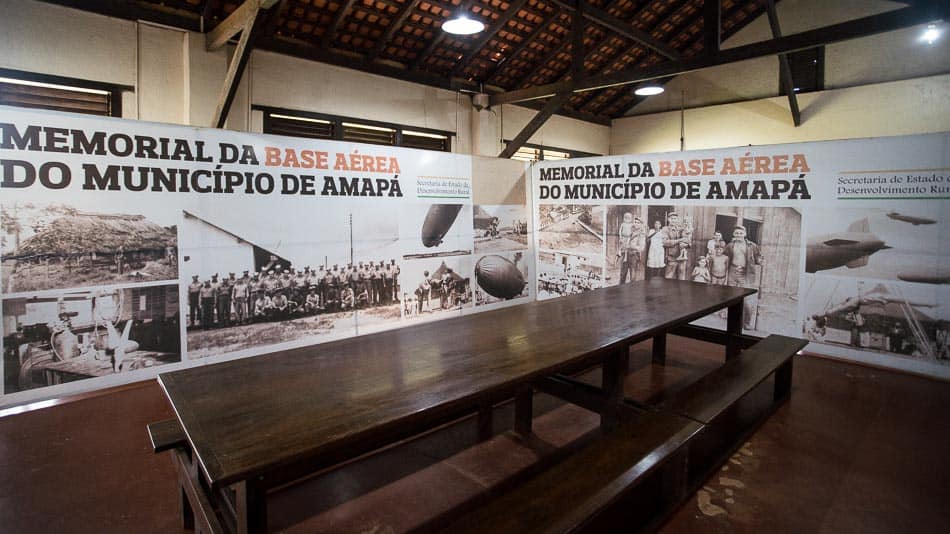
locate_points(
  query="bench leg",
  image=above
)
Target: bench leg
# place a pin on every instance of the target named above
(675, 478)
(524, 409)
(187, 513)
(659, 349)
(614, 371)
(733, 330)
(783, 381)
(251, 501)
(484, 421)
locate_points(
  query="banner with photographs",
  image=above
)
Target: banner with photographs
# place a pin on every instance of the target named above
(846, 242)
(131, 248)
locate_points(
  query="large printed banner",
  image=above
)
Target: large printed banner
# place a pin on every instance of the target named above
(131, 248)
(847, 242)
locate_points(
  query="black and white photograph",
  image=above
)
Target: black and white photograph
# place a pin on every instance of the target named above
(435, 230)
(901, 319)
(251, 284)
(562, 274)
(743, 246)
(500, 228)
(436, 286)
(906, 242)
(80, 244)
(630, 242)
(573, 228)
(69, 336)
(501, 277)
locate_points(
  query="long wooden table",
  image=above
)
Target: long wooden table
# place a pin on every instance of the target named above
(257, 423)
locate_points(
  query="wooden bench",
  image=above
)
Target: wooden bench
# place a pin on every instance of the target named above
(197, 512)
(710, 396)
(624, 477)
(166, 435)
(711, 399)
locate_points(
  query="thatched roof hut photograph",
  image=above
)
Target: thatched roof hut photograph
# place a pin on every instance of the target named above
(72, 248)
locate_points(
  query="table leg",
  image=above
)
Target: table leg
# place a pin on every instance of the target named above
(524, 412)
(251, 501)
(733, 330)
(614, 371)
(659, 349)
(783, 381)
(187, 513)
(484, 421)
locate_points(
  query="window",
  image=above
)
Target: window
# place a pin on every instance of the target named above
(530, 152)
(808, 71)
(320, 126)
(42, 91)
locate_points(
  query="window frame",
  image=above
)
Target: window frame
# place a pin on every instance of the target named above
(337, 122)
(115, 90)
(541, 148)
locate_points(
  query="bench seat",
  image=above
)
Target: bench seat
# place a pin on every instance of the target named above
(166, 435)
(710, 396)
(580, 492)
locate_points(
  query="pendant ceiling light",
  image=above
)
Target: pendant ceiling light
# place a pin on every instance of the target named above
(648, 90)
(462, 25)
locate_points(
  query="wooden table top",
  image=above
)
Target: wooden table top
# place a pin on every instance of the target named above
(246, 417)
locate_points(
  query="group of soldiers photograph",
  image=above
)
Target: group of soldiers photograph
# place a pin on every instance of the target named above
(277, 294)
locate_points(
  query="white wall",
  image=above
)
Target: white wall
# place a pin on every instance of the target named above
(56, 40)
(894, 108)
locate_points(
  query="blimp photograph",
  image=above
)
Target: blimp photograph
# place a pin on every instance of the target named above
(435, 230)
(897, 318)
(501, 277)
(904, 242)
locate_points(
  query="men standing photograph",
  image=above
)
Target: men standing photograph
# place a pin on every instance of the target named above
(743, 256)
(674, 241)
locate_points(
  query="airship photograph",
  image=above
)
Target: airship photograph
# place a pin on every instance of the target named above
(500, 277)
(916, 221)
(894, 318)
(435, 230)
(893, 244)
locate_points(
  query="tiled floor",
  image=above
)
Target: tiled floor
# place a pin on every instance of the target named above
(854, 450)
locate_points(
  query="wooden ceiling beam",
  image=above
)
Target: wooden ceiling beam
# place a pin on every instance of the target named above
(538, 30)
(236, 69)
(341, 14)
(394, 26)
(621, 95)
(427, 51)
(487, 35)
(621, 27)
(138, 10)
(591, 95)
(550, 108)
(236, 21)
(853, 29)
(788, 84)
(307, 50)
(545, 61)
(712, 26)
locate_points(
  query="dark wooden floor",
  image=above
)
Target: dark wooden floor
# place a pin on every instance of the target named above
(855, 450)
